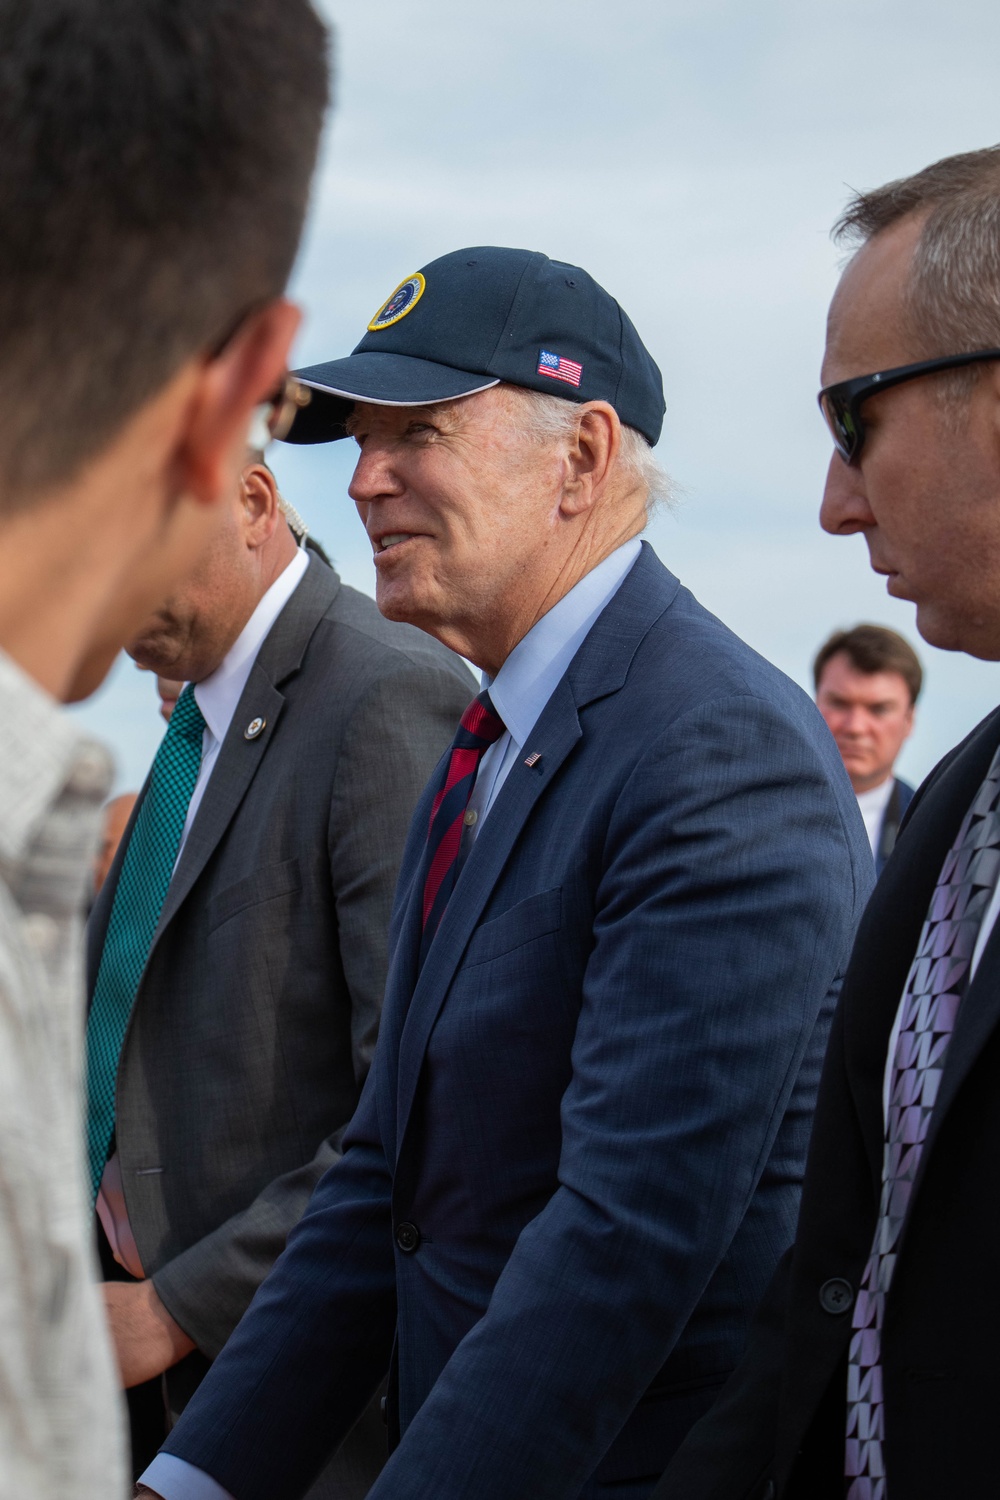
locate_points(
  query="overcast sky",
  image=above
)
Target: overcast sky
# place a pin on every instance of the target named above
(692, 156)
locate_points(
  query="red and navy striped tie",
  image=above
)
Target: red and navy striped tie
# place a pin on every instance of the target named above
(480, 728)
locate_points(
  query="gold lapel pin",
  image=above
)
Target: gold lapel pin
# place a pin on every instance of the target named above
(254, 728)
(533, 759)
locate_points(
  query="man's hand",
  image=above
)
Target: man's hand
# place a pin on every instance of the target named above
(147, 1340)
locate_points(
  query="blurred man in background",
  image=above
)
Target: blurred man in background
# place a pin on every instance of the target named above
(867, 682)
(155, 161)
(316, 724)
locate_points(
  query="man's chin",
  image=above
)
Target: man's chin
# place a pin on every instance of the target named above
(939, 628)
(154, 654)
(406, 608)
(395, 603)
(978, 638)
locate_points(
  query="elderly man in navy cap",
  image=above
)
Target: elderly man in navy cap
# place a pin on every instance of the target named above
(624, 909)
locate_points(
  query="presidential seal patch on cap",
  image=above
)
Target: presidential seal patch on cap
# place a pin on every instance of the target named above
(403, 300)
(494, 315)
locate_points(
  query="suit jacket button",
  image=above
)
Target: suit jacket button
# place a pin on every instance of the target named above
(836, 1295)
(407, 1237)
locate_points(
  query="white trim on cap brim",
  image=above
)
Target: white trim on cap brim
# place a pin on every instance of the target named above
(374, 400)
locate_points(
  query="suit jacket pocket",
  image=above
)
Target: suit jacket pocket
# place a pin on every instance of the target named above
(531, 918)
(264, 884)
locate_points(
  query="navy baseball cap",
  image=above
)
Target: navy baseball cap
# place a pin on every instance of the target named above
(476, 317)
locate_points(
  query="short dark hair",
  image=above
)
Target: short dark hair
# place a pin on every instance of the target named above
(952, 299)
(873, 648)
(155, 161)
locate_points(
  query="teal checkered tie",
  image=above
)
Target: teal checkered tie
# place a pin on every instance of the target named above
(142, 889)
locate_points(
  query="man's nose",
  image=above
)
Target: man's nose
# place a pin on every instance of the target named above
(845, 509)
(373, 475)
(855, 722)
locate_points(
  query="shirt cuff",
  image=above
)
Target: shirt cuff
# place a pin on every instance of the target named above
(174, 1479)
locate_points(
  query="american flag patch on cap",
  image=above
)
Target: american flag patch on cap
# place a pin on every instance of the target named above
(559, 368)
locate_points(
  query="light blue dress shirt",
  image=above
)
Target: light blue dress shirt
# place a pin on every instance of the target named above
(519, 693)
(535, 667)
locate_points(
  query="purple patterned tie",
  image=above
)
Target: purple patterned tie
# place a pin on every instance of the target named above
(934, 987)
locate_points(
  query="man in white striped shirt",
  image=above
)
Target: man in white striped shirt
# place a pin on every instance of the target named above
(137, 342)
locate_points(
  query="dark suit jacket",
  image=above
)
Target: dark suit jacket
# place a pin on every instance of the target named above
(899, 801)
(778, 1429)
(255, 1021)
(578, 1152)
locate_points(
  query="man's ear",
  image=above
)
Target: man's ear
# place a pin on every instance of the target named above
(261, 512)
(591, 458)
(229, 387)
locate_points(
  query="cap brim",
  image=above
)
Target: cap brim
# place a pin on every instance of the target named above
(383, 380)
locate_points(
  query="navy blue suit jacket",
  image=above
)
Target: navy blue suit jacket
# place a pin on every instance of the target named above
(902, 796)
(577, 1157)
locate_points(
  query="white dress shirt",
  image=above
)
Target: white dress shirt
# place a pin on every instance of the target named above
(519, 693)
(873, 805)
(217, 696)
(534, 669)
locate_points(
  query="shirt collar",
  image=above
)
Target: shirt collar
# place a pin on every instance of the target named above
(533, 670)
(877, 798)
(40, 750)
(218, 694)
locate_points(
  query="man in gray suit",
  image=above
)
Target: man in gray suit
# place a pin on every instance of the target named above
(249, 1024)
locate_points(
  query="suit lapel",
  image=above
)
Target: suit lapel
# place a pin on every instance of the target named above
(404, 950)
(977, 1019)
(239, 758)
(557, 732)
(978, 1013)
(887, 941)
(883, 952)
(237, 764)
(600, 667)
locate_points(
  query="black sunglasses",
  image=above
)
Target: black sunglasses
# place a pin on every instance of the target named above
(841, 404)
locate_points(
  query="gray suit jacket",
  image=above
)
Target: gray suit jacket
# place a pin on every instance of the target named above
(255, 1020)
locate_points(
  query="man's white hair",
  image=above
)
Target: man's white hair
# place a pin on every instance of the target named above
(541, 418)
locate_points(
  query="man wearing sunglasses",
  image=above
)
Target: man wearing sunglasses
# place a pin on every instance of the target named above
(154, 171)
(871, 1370)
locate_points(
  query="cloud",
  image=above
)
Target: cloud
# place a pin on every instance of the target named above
(692, 156)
